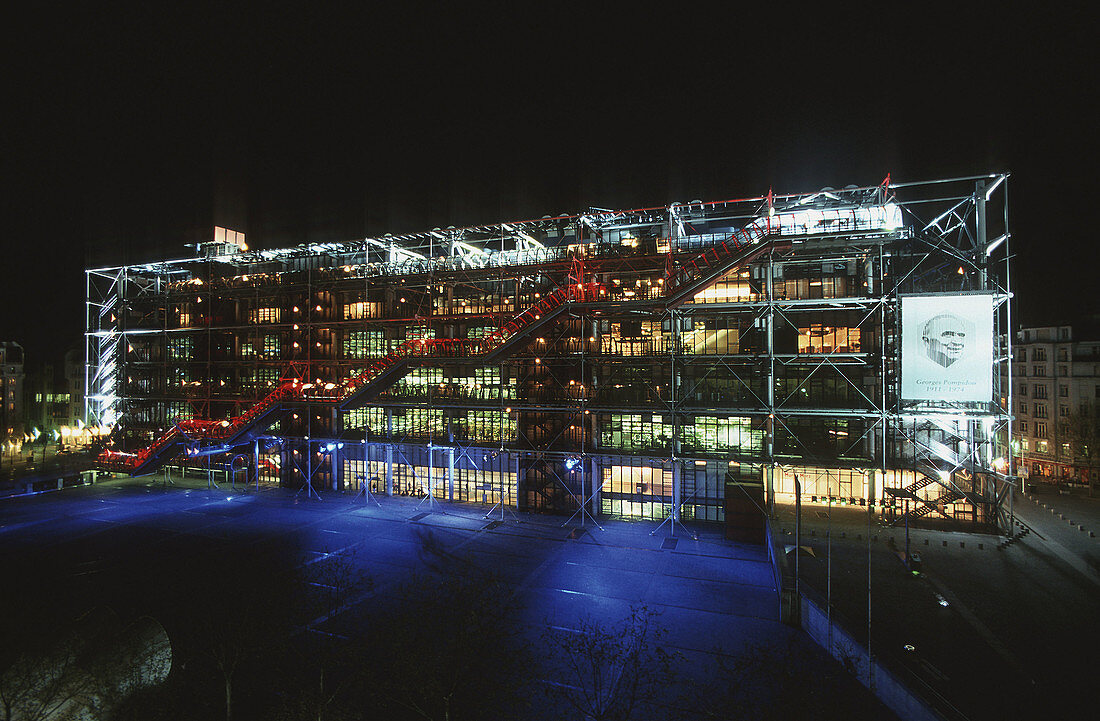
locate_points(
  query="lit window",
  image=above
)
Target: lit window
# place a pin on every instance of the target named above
(818, 338)
(418, 332)
(359, 344)
(264, 315)
(362, 309)
(180, 348)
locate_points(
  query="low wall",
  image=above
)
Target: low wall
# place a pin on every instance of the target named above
(808, 613)
(896, 695)
(43, 482)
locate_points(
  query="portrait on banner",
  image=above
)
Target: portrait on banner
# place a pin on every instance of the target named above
(947, 348)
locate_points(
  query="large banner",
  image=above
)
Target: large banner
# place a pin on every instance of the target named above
(947, 348)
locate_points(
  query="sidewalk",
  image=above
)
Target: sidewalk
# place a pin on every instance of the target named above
(998, 631)
(1070, 514)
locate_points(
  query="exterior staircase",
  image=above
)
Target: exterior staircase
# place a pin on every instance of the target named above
(926, 507)
(196, 436)
(923, 481)
(741, 247)
(933, 459)
(200, 436)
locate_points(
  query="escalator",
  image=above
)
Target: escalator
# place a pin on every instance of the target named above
(203, 437)
(742, 246)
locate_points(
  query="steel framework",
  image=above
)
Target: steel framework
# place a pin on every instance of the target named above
(678, 362)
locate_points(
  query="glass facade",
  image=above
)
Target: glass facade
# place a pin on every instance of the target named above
(638, 362)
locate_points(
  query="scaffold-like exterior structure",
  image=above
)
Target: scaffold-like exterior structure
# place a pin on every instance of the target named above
(671, 363)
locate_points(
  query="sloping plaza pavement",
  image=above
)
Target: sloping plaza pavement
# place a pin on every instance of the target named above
(120, 540)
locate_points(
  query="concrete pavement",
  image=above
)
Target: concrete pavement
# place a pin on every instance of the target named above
(130, 543)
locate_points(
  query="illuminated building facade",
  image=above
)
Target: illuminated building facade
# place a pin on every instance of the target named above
(48, 403)
(1056, 383)
(684, 362)
(12, 377)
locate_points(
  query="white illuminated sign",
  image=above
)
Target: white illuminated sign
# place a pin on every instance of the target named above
(947, 348)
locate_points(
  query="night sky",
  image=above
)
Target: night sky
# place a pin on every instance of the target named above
(126, 136)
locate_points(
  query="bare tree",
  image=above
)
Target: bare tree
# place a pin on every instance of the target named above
(242, 616)
(333, 582)
(612, 671)
(88, 670)
(323, 684)
(445, 645)
(43, 660)
(1082, 431)
(325, 689)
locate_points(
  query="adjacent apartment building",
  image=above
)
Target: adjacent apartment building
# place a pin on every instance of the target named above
(54, 398)
(1056, 392)
(11, 390)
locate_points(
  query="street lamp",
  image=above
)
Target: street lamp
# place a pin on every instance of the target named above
(13, 447)
(56, 437)
(907, 567)
(797, 539)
